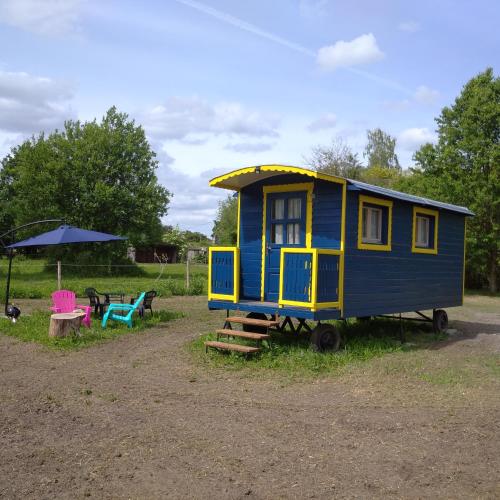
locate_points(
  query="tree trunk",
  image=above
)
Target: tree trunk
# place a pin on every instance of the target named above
(64, 324)
(493, 271)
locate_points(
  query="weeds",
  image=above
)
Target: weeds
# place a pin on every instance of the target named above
(35, 328)
(292, 354)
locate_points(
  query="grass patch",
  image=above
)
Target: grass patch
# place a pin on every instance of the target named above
(31, 280)
(35, 328)
(293, 356)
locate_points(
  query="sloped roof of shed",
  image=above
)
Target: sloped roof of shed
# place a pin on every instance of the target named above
(238, 179)
(390, 193)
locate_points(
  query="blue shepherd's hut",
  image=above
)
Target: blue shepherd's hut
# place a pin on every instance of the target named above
(314, 247)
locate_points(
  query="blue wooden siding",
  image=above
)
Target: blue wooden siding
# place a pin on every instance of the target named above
(327, 215)
(222, 272)
(328, 278)
(326, 225)
(297, 279)
(400, 280)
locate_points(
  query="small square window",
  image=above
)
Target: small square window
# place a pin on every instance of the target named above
(425, 230)
(374, 223)
(423, 225)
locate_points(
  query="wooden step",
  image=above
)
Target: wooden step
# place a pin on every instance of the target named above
(231, 347)
(245, 335)
(254, 322)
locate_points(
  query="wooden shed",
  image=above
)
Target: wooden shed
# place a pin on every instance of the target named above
(316, 247)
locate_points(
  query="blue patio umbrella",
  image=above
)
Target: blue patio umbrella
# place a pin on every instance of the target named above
(65, 234)
(61, 236)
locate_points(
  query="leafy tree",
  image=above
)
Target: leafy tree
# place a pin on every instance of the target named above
(381, 176)
(464, 168)
(184, 240)
(225, 225)
(381, 150)
(336, 159)
(93, 175)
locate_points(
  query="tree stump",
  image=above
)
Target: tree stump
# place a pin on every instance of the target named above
(64, 324)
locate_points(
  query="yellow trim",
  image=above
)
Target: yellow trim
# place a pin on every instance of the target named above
(463, 270)
(236, 274)
(313, 290)
(263, 254)
(284, 188)
(342, 248)
(374, 201)
(424, 211)
(286, 169)
(238, 222)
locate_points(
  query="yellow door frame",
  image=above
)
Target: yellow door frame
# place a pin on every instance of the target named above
(284, 188)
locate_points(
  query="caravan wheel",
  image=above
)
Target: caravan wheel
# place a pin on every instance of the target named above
(440, 320)
(325, 337)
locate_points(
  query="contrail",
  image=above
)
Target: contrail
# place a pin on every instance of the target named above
(243, 25)
(255, 30)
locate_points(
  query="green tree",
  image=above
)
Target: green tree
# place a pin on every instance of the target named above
(464, 168)
(336, 159)
(380, 150)
(225, 225)
(92, 175)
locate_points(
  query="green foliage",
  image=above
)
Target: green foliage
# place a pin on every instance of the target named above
(381, 176)
(185, 239)
(36, 280)
(99, 176)
(464, 168)
(292, 356)
(337, 159)
(35, 328)
(225, 224)
(381, 150)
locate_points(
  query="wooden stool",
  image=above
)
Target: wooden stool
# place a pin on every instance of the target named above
(64, 324)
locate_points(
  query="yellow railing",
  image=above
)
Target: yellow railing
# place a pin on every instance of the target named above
(224, 273)
(301, 284)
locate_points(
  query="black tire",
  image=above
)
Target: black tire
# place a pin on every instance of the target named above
(325, 337)
(252, 328)
(440, 321)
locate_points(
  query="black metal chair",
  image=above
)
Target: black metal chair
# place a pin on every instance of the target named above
(95, 301)
(147, 302)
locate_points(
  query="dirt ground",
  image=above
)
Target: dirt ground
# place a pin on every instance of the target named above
(137, 417)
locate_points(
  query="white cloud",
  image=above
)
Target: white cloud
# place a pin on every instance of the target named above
(426, 95)
(412, 138)
(409, 26)
(324, 122)
(361, 50)
(194, 204)
(181, 118)
(30, 104)
(422, 95)
(249, 147)
(47, 17)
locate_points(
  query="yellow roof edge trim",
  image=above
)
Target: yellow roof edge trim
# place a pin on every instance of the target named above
(221, 180)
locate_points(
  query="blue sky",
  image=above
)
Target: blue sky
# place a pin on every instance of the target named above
(223, 84)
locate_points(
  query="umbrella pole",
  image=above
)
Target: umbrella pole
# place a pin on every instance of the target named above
(7, 291)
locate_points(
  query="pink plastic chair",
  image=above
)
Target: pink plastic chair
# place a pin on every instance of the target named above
(65, 301)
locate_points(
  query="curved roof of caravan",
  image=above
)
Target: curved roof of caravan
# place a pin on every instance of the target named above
(238, 179)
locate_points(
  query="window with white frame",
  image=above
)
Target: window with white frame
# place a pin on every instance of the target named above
(372, 225)
(422, 231)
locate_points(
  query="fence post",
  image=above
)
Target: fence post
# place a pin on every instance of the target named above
(58, 274)
(187, 273)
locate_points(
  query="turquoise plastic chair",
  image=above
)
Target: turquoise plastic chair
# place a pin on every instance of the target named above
(128, 308)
